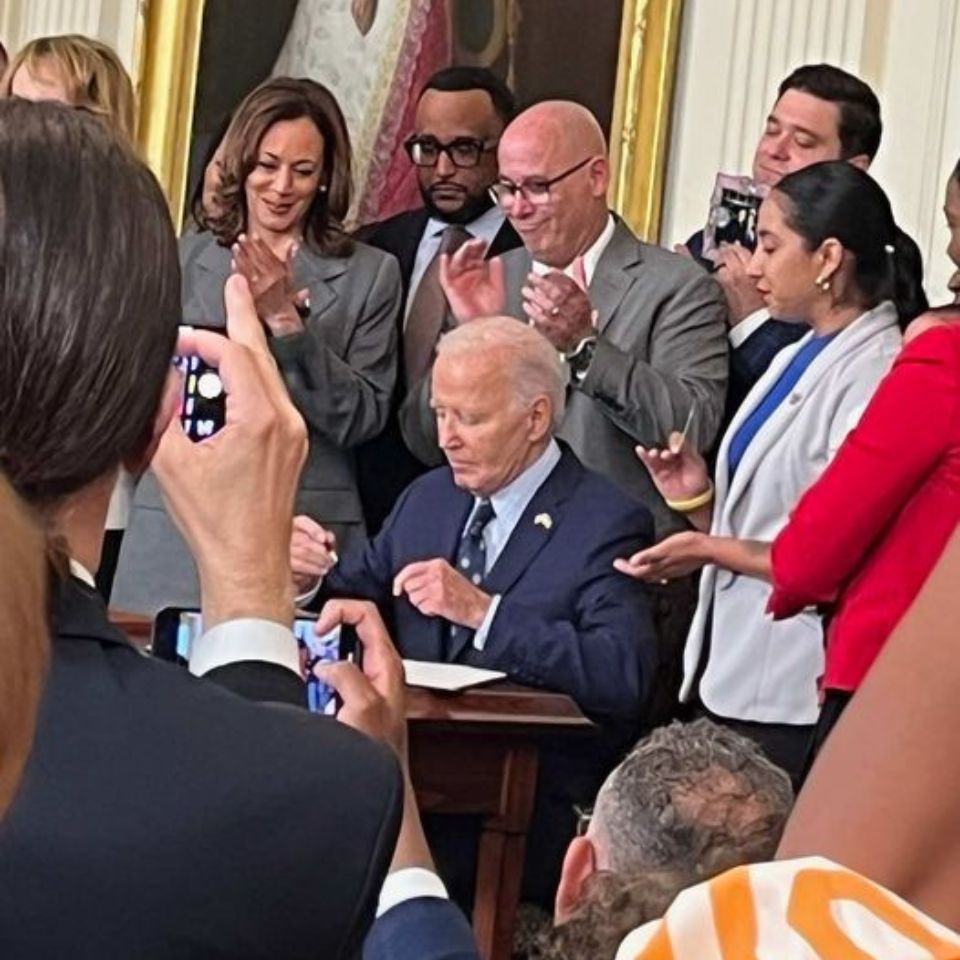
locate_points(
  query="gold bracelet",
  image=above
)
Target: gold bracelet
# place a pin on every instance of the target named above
(694, 503)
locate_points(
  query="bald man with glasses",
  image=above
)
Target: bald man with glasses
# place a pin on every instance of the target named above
(643, 330)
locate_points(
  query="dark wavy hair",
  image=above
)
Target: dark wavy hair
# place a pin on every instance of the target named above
(286, 98)
(89, 303)
(836, 199)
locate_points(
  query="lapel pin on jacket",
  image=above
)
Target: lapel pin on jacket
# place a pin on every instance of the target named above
(543, 520)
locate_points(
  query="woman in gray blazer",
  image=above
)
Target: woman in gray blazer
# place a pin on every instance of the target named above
(328, 302)
(831, 256)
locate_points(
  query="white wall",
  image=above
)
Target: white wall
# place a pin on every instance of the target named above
(735, 52)
(112, 21)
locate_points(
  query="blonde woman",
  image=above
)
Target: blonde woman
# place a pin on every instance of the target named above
(80, 71)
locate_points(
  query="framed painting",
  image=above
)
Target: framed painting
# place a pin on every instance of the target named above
(198, 58)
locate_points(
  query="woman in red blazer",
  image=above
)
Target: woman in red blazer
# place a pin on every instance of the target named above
(863, 539)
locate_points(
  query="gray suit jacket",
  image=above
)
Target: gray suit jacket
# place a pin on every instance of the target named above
(340, 372)
(662, 345)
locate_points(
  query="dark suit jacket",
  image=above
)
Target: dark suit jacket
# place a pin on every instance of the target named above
(162, 816)
(385, 467)
(423, 929)
(567, 620)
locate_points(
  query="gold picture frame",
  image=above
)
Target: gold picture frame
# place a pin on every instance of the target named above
(640, 132)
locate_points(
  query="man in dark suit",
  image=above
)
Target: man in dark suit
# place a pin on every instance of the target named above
(460, 115)
(821, 113)
(160, 815)
(504, 559)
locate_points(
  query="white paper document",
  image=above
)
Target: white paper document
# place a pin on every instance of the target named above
(446, 676)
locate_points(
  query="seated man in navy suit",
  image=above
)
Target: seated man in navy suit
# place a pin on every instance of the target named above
(504, 559)
(821, 113)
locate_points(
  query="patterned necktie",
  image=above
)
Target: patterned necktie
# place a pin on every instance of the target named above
(472, 563)
(428, 310)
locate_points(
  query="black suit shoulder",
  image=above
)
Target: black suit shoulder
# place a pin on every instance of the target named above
(164, 816)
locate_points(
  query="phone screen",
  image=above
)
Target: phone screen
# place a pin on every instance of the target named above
(175, 630)
(203, 405)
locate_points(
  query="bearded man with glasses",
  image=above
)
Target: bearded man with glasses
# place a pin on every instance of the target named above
(643, 330)
(460, 116)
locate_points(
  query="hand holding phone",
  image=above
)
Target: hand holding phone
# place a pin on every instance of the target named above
(203, 402)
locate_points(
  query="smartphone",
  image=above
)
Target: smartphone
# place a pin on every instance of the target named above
(203, 403)
(734, 207)
(176, 628)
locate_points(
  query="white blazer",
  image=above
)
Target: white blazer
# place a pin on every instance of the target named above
(757, 669)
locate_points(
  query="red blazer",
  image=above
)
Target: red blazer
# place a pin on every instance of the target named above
(866, 535)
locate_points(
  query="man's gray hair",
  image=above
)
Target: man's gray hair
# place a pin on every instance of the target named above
(695, 797)
(530, 360)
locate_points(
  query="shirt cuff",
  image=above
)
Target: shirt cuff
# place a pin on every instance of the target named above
(747, 327)
(411, 883)
(480, 637)
(249, 638)
(305, 599)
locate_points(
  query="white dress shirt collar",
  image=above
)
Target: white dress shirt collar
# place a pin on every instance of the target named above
(484, 227)
(78, 570)
(590, 258)
(747, 327)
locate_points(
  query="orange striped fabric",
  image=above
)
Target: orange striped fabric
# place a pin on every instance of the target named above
(808, 909)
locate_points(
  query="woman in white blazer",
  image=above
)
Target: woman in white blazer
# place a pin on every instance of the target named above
(830, 255)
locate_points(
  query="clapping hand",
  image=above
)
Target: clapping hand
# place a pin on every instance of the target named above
(271, 284)
(473, 285)
(558, 306)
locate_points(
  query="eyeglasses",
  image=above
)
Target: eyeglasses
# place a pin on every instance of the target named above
(536, 190)
(462, 151)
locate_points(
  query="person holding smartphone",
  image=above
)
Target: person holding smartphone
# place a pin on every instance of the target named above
(160, 815)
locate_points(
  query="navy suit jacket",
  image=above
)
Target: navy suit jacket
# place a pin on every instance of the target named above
(567, 620)
(426, 928)
(162, 816)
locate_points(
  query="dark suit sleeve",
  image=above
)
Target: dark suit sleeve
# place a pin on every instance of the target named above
(603, 654)
(688, 362)
(427, 928)
(263, 682)
(347, 399)
(367, 572)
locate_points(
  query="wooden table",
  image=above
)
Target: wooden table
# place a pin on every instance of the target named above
(475, 752)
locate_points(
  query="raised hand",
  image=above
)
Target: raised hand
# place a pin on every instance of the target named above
(679, 472)
(473, 285)
(271, 283)
(558, 306)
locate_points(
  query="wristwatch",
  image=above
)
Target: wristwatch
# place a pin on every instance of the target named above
(580, 356)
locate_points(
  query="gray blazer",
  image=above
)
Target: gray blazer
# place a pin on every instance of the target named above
(662, 345)
(340, 372)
